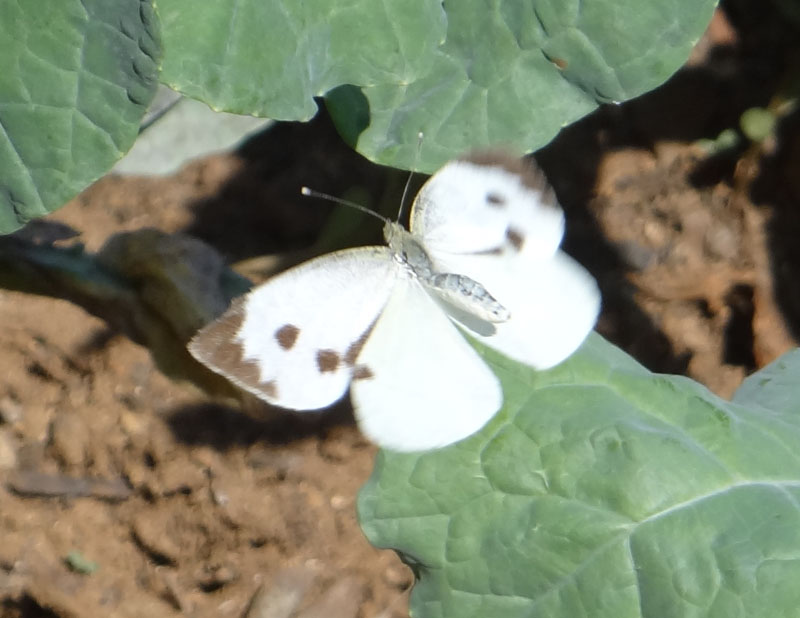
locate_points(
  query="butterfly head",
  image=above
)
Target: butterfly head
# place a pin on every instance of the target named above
(393, 234)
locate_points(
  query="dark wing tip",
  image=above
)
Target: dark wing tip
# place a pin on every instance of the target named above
(218, 347)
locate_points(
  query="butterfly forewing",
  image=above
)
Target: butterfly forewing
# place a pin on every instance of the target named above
(423, 386)
(294, 340)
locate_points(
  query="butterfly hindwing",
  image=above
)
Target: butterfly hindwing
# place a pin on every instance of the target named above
(294, 340)
(553, 304)
(423, 385)
(485, 203)
(551, 301)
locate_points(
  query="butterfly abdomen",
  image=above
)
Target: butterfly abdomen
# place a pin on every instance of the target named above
(468, 295)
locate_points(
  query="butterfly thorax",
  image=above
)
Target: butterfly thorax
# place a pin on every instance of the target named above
(459, 291)
(408, 251)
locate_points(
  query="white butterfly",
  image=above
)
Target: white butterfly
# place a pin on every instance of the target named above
(481, 258)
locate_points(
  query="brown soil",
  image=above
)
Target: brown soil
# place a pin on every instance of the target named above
(125, 494)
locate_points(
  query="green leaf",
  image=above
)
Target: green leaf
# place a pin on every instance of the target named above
(467, 73)
(775, 387)
(77, 78)
(604, 490)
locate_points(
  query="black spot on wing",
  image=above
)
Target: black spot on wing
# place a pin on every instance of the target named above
(327, 361)
(269, 389)
(362, 372)
(515, 238)
(496, 200)
(286, 336)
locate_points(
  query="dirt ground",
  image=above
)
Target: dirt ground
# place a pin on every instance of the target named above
(125, 494)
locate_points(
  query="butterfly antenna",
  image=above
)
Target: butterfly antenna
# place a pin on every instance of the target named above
(337, 200)
(410, 174)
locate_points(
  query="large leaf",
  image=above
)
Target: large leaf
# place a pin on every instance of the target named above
(468, 73)
(604, 490)
(77, 77)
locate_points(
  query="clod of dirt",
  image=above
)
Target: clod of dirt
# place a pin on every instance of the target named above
(341, 600)
(11, 412)
(398, 577)
(69, 439)
(213, 577)
(35, 423)
(8, 450)
(283, 464)
(172, 593)
(179, 475)
(41, 581)
(275, 514)
(30, 455)
(133, 424)
(334, 451)
(340, 444)
(152, 535)
(279, 597)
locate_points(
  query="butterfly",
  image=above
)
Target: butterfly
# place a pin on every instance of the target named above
(481, 259)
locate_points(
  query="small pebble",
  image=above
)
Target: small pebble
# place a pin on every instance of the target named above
(8, 450)
(281, 594)
(11, 412)
(132, 424)
(399, 577)
(282, 463)
(722, 242)
(335, 450)
(341, 600)
(339, 502)
(655, 233)
(638, 256)
(30, 455)
(180, 476)
(211, 578)
(68, 439)
(155, 541)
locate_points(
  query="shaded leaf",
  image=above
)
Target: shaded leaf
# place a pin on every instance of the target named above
(77, 78)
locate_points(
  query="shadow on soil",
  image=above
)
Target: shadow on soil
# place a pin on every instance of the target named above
(224, 428)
